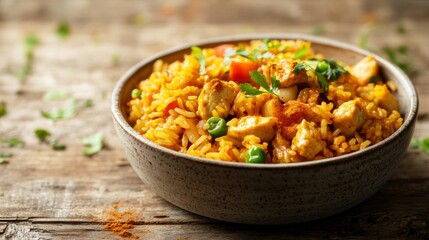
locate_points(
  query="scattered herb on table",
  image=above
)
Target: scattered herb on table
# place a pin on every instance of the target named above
(198, 53)
(30, 44)
(55, 94)
(325, 70)
(260, 79)
(93, 143)
(57, 146)
(115, 59)
(42, 134)
(63, 30)
(88, 103)
(13, 142)
(66, 112)
(421, 144)
(399, 56)
(400, 29)
(3, 109)
(3, 161)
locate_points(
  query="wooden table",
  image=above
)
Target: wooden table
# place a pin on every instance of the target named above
(47, 194)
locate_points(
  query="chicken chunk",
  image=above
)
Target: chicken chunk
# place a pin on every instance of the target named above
(364, 70)
(385, 98)
(350, 117)
(262, 127)
(272, 108)
(216, 98)
(307, 142)
(283, 71)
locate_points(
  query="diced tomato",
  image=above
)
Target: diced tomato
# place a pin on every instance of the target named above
(220, 50)
(169, 107)
(239, 71)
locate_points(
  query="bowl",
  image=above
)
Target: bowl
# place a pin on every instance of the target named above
(265, 193)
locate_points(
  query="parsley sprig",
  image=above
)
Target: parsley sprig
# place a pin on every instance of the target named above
(253, 55)
(260, 79)
(325, 70)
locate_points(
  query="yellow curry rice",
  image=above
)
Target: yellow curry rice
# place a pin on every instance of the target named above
(303, 119)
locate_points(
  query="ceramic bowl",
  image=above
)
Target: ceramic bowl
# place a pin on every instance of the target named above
(265, 193)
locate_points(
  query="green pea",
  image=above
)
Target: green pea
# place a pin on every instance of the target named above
(322, 67)
(135, 93)
(255, 155)
(216, 127)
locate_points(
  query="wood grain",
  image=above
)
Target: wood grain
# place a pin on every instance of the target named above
(46, 194)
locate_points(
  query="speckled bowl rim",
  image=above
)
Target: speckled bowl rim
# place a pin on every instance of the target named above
(402, 77)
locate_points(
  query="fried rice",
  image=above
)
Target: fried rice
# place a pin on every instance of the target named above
(354, 111)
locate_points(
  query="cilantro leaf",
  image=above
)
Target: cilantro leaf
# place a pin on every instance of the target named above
(30, 44)
(42, 134)
(325, 70)
(68, 111)
(63, 30)
(93, 143)
(198, 53)
(421, 144)
(56, 146)
(3, 109)
(55, 94)
(3, 161)
(13, 142)
(260, 79)
(300, 53)
(6, 155)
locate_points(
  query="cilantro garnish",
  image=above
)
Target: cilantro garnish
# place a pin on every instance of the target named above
(421, 144)
(300, 53)
(325, 70)
(399, 56)
(198, 53)
(93, 143)
(3, 109)
(63, 30)
(42, 134)
(260, 79)
(66, 112)
(55, 94)
(56, 146)
(30, 44)
(13, 142)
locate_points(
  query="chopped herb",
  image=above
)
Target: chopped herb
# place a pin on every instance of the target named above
(138, 19)
(198, 53)
(421, 144)
(88, 103)
(42, 134)
(115, 59)
(364, 36)
(300, 53)
(401, 29)
(13, 142)
(93, 143)
(31, 42)
(56, 146)
(3, 161)
(325, 70)
(260, 79)
(253, 55)
(318, 30)
(63, 30)
(68, 111)
(399, 56)
(56, 94)
(6, 155)
(3, 109)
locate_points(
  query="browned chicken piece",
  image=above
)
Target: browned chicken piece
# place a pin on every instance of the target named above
(283, 71)
(262, 127)
(385, 98)
(272, 108)
(216, 98)
(364, 70)
(350, 116)
(307, 142)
